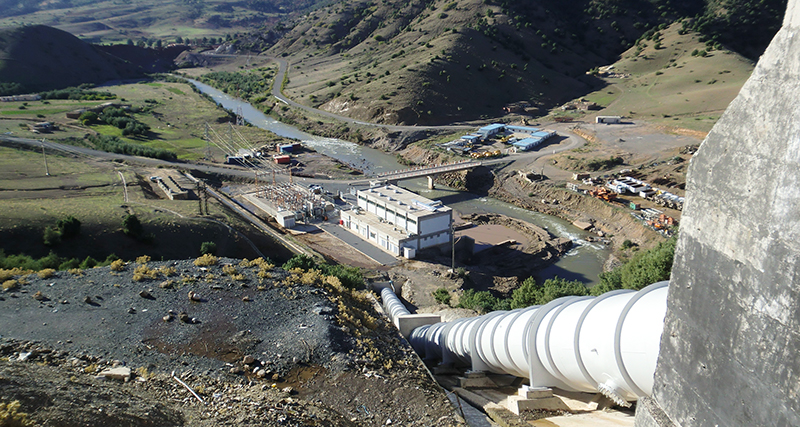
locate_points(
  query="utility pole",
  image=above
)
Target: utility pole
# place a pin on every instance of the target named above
(46, 170)
(453, 245)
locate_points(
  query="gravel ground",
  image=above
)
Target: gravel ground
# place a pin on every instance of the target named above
(236, 336)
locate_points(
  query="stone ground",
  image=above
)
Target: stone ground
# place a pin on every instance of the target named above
(279, 349)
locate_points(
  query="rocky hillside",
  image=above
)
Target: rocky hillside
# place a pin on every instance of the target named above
(410, 61)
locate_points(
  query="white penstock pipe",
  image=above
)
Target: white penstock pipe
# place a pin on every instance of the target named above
(608, 343)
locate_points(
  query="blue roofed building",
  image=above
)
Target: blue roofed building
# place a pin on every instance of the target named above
(522, 129)
(534, 140)
(491, 130)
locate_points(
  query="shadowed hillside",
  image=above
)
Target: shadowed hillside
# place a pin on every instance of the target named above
(39, 58)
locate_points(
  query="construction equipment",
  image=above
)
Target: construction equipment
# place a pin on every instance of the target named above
(603, 193)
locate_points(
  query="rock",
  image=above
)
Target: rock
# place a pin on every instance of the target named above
(261, 373)
(236, 370)
(288, 390)
(248, 360)
(63, 301)
(146, 294)
(246, 299)
(39, 296)
(87, 300)
(184, 317)
(119, 373)
(194, 296)
(131, 310)
(275, 377)
(168, 318)
(167, 284)
(23, 356)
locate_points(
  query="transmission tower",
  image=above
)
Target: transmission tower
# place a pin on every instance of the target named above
(239, 116)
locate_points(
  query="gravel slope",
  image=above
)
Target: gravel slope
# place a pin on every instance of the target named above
(324, 349)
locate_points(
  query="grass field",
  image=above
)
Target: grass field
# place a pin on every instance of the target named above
(671, 86)
(92, 192)
(175, 113)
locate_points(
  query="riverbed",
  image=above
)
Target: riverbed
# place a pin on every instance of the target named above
(584, 262)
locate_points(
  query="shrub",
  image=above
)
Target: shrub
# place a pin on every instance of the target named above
(89, 262)
(51, 236)
(117, 265)
(46, 273)
(69, 227)
(442, 296)
(208, 248)
(11, 417)
(643, 269)
(144, 259)
(481, 301)
(206, 260)
(627, 244)
(531, 293)
(229, 270)
(10, 285)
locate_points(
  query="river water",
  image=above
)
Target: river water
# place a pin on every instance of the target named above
(584, 262)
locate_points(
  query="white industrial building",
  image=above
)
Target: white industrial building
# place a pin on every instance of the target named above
(398, 221)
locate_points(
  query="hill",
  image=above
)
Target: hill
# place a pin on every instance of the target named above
(148, 20)
(409, 62)
(39, 58)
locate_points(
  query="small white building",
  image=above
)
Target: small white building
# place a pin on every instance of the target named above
(395, 219)
(608, 119)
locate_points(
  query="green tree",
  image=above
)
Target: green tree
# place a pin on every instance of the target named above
(69, 227)
(132, 227)
(643, 269)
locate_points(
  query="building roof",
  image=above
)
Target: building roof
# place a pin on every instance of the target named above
(493, 126)
(405, 200)
(525, 129)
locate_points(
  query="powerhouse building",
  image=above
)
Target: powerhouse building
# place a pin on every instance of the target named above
(398, 221)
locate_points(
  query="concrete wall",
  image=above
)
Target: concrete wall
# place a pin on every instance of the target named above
(730, 351)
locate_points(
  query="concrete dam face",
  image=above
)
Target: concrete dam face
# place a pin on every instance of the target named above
(730, 349)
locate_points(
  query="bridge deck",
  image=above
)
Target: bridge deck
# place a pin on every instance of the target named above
(428, 170)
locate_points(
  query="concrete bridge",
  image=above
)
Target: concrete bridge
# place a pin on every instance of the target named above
(427, 171)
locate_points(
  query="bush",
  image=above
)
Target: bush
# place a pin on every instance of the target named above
(531, 293)
(89, 262)
(482, 302)
(51, 236)
(627, 244)
(442, 296)
(69, 227)
(206, 260)
(46, 273)
(643, 269)
(10, 416)
(118, 265)
(208, 248)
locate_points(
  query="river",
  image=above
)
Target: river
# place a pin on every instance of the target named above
(584, 262)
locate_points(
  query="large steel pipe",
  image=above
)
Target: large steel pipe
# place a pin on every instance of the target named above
(609, 343)
(393, 306)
